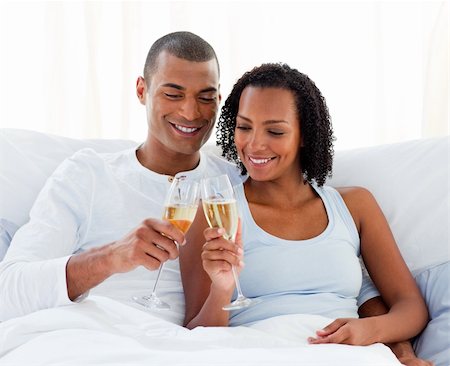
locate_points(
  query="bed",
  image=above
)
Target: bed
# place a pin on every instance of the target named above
(410, 181)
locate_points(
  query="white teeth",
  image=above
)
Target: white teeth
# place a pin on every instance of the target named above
(259, 161)
(186, 129)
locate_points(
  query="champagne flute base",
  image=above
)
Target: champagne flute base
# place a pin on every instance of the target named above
(152, 302)
(240, 303)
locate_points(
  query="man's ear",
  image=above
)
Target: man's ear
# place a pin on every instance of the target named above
(141, 89)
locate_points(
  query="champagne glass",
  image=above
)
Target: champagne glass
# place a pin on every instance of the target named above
(180, 208)
(220, 208)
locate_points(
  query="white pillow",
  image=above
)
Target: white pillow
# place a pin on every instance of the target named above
(433, 343)
(27, 158)
(410, 181)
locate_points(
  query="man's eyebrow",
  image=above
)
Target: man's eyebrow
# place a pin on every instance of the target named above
(267, 122)
(210, 89)
(179, 87)
(175, 86)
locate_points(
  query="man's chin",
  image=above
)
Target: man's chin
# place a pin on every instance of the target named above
(187, 149)
(184, 145)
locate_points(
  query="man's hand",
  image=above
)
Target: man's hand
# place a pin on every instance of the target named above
(402, 350)
(412, 360)
(405, 354)
(150, 244)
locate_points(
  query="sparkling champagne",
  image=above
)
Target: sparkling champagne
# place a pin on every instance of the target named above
(180, 216)
(222, 213)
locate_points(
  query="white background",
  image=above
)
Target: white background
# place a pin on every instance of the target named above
(70, 68)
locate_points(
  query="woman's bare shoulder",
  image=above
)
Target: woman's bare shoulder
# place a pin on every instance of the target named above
(354, 193)
(358, 200)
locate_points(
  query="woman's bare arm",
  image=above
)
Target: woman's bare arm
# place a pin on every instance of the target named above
(205, 298)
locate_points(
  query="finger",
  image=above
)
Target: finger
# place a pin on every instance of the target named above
(147, 238)
(213, 233)
(152, 242)
(222, 244)
(216, 266)
(223, 256)
(150, 234)
(156, 252)
(166, 228)
(338, 336)
(238, 240)
(312, 340)
(149, 262)
(332, 327)
(164, 245)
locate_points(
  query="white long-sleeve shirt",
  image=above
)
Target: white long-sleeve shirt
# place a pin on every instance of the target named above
(91, 200)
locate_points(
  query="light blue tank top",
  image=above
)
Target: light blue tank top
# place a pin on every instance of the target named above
(321, 275)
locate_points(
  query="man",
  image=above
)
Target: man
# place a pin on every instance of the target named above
(95, 225)
(99, 214)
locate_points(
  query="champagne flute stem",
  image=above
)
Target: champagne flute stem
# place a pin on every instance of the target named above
(236, 280)
(157, 278)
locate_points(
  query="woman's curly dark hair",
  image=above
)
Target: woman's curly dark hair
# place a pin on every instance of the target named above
(316, 158)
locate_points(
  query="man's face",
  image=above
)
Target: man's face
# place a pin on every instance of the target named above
(181, 99)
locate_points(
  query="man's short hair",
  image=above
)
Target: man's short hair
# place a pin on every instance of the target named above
(185, 45)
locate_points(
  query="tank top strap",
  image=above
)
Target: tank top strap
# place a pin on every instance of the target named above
(341, 212)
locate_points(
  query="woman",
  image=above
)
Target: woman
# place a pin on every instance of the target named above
(302, 238)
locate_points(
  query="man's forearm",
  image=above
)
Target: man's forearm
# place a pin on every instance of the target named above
(86, 270)
(376, 306)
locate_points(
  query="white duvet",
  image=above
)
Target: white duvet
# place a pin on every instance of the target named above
(101, 331)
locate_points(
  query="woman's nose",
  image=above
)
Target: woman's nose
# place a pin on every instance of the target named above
(257, 141)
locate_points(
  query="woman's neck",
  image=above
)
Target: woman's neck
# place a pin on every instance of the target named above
(282, 192)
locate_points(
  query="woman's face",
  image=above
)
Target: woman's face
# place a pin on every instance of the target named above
(267, 134)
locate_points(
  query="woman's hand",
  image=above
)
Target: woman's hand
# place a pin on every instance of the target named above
(218, 256)
(358, 332)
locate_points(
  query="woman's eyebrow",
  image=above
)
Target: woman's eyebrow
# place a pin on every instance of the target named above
(244, 118)
(267, 122)
(274, 121)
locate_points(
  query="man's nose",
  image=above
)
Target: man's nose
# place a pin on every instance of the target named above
(190, 109)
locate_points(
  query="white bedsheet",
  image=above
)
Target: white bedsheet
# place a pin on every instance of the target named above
(102, 331)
